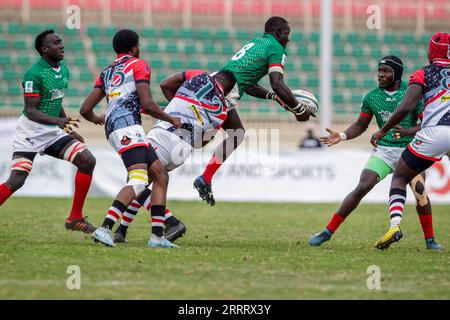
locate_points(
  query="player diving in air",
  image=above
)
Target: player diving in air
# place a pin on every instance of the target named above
(432, 84)
(259, 57)
(45, 128)
(198, 99)
(380, 103)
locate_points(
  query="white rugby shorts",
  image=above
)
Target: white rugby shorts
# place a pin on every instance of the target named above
(171, 150)
(390, 155)
(35, 137)
(127, 138)
(431, 143)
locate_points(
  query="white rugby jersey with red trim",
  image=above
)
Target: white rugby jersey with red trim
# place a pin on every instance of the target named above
(118, 82)
(206, 109)
(435, 81)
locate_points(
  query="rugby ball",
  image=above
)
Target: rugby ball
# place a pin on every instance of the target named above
(307, 99)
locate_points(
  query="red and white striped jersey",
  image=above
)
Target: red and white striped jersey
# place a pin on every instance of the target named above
(435, 81)
(118, 82)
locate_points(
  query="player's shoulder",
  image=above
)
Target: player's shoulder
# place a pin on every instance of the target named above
(138, 61)
(375, 92)
(64, 67)
(273, 42)
(34, 70)
(403, 86)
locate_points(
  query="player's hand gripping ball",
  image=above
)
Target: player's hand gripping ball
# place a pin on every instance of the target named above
(307, 100)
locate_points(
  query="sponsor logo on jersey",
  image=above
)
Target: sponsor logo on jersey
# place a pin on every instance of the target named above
(390, 99)
(197, 114)
(445, 98)
(114, 94)
(58, 93)
(125, 141)
(58, 76)
(385, 115)
(28, 86)
(417, 142)
(118, 79)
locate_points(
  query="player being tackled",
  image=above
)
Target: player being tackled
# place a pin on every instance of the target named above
(198, 99)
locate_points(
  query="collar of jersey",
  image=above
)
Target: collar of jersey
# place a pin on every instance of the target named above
(120, 56)
(400, 88)
(270, 35)
(46, 64)
(441, 62)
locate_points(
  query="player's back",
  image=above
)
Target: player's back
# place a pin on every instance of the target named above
(435, 81)
(199, 103)
(255, 60)
(118, 82)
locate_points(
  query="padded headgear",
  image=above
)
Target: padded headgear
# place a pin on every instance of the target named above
(395, 63)
(439, 48)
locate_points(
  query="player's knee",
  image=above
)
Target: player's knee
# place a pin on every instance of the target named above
(362, 189)
(16, 180)
(420, 193)
(138, 179)
(85, 161)
(20, 169)
(159, 174)
(90, 162)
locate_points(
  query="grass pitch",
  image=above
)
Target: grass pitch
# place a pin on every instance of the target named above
(231, 251)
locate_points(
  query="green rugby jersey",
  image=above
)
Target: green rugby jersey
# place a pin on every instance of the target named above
(382, 105)
(257, 58)
(48, 83)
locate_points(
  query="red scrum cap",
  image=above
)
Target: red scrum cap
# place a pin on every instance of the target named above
(439, 47)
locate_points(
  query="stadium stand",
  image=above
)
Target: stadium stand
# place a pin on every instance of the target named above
(173, 48)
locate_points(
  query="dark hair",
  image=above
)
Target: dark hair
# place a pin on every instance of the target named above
(274, 23)
(40, 40)
(229, 75)
(124, 40)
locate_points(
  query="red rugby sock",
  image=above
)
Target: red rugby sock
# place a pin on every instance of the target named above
(426, 221)
(82, 185)
(212, 167)
(335, 222)
(5, 193)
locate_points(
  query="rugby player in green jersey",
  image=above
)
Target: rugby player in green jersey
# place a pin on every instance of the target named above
(45, 128)
(381, 103)
(259, 57)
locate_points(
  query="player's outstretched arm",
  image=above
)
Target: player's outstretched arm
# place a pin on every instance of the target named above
(258, 92)
(170, 85)
(150, 107)
(262, 93)
(354, 130)
(285, 94)
(88, 105)
(409, 103)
